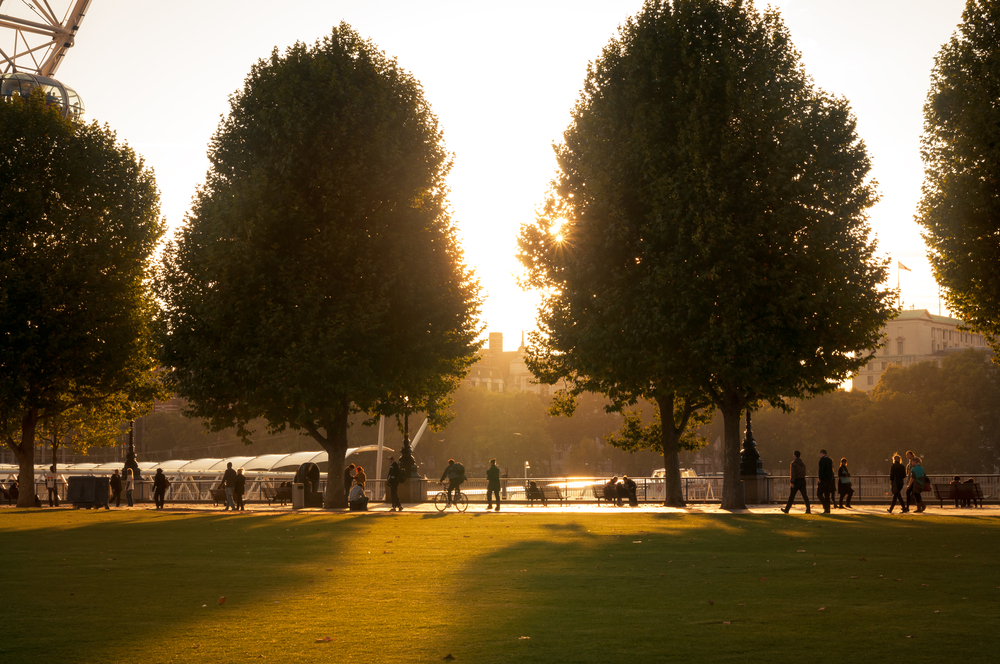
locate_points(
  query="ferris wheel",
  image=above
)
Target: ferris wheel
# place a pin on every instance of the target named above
(34, 39)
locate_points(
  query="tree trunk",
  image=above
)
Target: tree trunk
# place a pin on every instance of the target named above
(336, 447)
(26, 460)
(673, 493)
(732, 410)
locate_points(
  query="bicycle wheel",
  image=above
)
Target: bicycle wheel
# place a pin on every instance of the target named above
(461, 502)
(441, 501)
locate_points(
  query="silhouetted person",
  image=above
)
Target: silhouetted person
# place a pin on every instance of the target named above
(455, 474)
(918, 482)
(160, 485)
(493, 485)
(630, 491)
(348, 480)
(910, 456)
(229, 484)
(51, 480)
(797, 479)
(116, 488)
(392, 481)
(844, 487)
(129, 486)
(239, 489)
(826, 482)
(897, 480)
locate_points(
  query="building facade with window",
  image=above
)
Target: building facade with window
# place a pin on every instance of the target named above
(916, 335)
(504, 371)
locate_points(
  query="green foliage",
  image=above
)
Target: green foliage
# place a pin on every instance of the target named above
(79, 221)
(948, 415)
(707, 231)
(319, 272)
(960, 210)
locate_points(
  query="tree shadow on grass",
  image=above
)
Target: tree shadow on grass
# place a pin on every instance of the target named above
(730, 589)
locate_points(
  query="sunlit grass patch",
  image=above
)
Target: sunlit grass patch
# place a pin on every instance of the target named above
(98, 586)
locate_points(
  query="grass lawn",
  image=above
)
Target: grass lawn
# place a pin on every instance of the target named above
(142, 586)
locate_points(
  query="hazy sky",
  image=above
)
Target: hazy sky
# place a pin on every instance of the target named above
(502, 78)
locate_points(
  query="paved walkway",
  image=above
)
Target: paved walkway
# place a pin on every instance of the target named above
(573, 508)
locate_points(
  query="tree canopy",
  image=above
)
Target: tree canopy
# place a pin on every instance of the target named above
(79, 221)
(319, 271)
(960, 209)
(706, 237)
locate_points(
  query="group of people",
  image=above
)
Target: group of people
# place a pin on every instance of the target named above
(357, 499)
(626, 488)
(233, 481)
(911, 476)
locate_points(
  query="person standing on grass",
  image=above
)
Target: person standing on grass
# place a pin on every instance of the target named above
(392, 481)
(797, 479)
(826, 484)
(160, 484)
(116, 488)
(50, 484)
(129, 486)
(918, 482)
(348, 479)
(910, 456)
(492, 485)
(239, 489)
(844, 487)
(897, 480)
(229, 484)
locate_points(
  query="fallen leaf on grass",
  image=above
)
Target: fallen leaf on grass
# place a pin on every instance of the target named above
(448, 657)
(661, 573)
(801, 551)
(959, 555)
(325, 639)
(763, 578)
(742, 604)
(204, 605)
(854, 577)
(640, 542)
(222, 600)
(725, 622)
(521, 638)
(898, 579)
(864, 559)
(711, 602)
(937, 612)
(822, 608)
(524, 570)
(197, 645)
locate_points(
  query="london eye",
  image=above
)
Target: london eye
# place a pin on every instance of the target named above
(34, 39)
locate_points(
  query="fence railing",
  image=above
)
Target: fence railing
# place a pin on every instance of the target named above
(771, 490)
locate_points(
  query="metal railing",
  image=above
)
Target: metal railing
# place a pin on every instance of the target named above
(771, 490)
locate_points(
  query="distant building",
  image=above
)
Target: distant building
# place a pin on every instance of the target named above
(504, 371)
(916, 336)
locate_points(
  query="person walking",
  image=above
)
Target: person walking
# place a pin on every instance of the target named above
(229, 484)
(897, 480)
(160, 484)
(493, 485)
(392, 481)
(51, 481)
(844, 487)
(918, 482)
(348, 480)
(910, 456)
(116, 488)
(239, 489)
(825, 486)
(129, 486)
(797, 478)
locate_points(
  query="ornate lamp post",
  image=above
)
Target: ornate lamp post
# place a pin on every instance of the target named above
(752, 468)
(130, 454)
(407, 463)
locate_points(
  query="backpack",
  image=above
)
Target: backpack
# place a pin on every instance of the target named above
(459, 472)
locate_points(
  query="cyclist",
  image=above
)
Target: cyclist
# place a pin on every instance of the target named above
(455, 474)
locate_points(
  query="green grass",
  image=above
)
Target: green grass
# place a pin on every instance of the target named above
(96, 586)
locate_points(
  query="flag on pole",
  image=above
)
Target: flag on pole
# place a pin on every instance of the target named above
(902, 267)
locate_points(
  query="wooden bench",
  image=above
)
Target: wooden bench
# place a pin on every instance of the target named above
(605, 493)
(271, 495)
(958, 493)
(544, 494)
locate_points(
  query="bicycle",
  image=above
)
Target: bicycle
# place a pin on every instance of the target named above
(441, 500)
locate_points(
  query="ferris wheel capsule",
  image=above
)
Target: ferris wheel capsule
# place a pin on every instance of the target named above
(22, 84)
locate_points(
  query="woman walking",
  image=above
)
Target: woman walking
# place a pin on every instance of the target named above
(918, 481)
(239, 489)
(844, 487)
(129, 486)
(897, 479)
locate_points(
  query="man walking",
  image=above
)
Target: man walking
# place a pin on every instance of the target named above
(160, 484)
(827, 483)
(797, 478)
(50, 484)
(116, 488)
(392, 480)
(229, 483)
(492, 485)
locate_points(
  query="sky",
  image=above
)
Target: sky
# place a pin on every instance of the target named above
(502, 79)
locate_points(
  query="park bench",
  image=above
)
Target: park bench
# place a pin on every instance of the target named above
(544, 494)
(958, 493)
(605, 493)
(277, 495)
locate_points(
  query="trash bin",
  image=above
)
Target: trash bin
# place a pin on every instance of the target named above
(298, 495)
(88, 491)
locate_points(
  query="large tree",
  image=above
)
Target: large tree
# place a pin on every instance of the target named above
(960, 209)
(707, 233)
(79, 221)
(319, 272)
